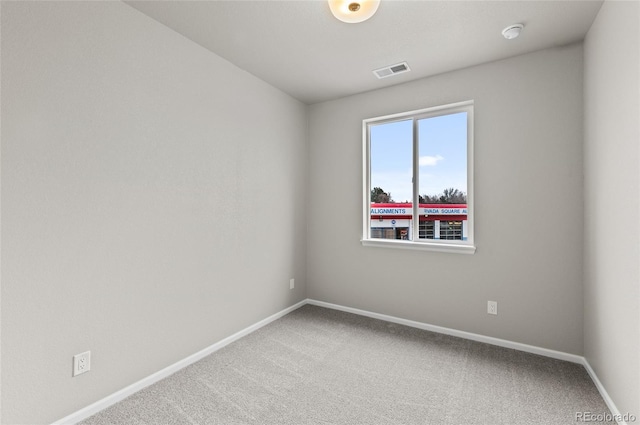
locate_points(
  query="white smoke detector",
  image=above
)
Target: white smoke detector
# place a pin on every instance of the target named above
(512, 31)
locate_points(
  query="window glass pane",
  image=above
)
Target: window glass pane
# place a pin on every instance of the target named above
(391, 167)
(442, 188)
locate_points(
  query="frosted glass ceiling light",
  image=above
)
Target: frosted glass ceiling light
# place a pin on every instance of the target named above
(353, 11)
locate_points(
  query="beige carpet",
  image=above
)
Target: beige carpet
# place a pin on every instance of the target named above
(321, 366)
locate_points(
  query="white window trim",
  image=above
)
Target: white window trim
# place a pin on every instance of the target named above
(460, 247)
(419, 245)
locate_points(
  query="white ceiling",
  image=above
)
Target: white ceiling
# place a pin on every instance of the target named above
(299, 47)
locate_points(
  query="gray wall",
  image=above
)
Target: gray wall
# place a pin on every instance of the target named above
(153, 201)
(612, 210)
(528, 200)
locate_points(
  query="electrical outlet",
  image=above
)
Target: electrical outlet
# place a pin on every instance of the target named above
(292, 283)
(492, 307)
(81, 363)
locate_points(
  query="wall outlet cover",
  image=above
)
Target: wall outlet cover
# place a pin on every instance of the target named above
(81, 363)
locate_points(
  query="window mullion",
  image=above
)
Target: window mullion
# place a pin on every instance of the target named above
(416, 184)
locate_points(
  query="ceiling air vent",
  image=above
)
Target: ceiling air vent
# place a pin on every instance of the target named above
(388, 71)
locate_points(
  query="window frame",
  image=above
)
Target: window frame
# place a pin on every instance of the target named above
(457, 246)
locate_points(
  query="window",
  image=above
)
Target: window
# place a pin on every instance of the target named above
(418, 182)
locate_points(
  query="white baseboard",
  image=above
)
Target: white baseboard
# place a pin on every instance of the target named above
(112, 399)
(143, 383)
(603, 392)
(460, 334)
(573, 358)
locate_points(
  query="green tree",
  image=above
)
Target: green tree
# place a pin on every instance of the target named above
(379, 196)
(448, 196)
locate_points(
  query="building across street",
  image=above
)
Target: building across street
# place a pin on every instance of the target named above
(436, 221)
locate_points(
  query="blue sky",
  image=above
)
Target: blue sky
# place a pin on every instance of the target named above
(442, 155)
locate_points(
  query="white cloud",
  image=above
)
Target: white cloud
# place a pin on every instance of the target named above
(426, 161)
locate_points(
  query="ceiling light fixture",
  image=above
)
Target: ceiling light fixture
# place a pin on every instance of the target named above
(512, 31)
(353, 11)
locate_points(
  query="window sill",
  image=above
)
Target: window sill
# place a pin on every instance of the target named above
(421, 246)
